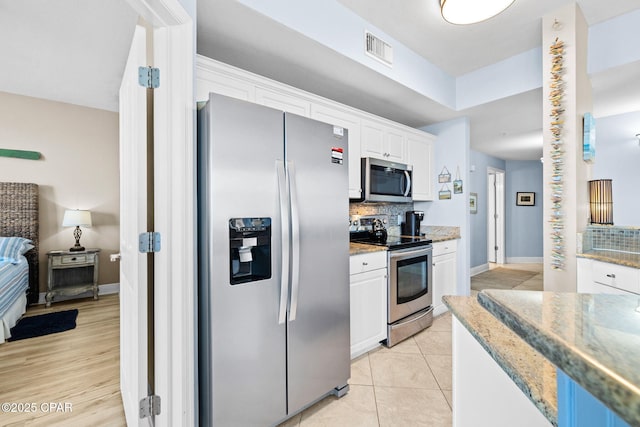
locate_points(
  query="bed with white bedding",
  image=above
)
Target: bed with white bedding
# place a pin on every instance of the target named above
(19, 223)
(14, 282)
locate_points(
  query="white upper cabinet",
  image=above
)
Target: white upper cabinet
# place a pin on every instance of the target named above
(369, 135)
(420, 156)
(351, 122)
(382, 141)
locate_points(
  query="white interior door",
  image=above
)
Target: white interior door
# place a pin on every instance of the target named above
(133, 220)
(491, 215)
(495, 216)
(500, 218)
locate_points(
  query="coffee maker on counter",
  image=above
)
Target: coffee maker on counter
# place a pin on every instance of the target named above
(411, 225)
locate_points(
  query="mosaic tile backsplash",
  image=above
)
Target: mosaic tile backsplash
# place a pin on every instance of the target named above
(619, 239)
(392, 210)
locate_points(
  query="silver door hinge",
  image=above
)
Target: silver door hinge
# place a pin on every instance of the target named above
(150, 406)
(149, 77)
(149, 242)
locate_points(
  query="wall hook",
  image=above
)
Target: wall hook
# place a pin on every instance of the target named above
(557, 25)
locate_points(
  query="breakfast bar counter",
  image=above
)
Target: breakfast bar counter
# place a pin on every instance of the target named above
(532, 373)
(593, 340)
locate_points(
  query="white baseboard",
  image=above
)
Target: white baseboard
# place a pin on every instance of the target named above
(109, 288)
(479, 269)
(525, 260)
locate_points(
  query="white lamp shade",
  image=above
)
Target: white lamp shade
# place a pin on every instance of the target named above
(74, 217)
(471, 11)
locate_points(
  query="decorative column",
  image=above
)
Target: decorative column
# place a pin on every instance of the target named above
(566, 98)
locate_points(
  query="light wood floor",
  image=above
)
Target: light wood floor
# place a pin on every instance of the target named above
(79, 368)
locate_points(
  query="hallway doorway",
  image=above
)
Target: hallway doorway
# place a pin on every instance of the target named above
(495, 215)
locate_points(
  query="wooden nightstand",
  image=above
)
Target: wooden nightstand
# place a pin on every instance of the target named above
(72, 273)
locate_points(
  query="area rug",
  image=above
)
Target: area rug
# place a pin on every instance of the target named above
(44, 324)
(501, 278)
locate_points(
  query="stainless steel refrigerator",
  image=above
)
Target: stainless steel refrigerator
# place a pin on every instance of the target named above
(273, 263)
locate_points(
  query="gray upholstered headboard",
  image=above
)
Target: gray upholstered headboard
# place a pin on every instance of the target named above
(19, 217)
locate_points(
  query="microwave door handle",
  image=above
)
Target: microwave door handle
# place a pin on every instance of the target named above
(283, 195)
(408, 190)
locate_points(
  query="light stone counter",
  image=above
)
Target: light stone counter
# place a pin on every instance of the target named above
(438, 233)
(614, 257)
(593, 338)
(528, 369)
(362, 248)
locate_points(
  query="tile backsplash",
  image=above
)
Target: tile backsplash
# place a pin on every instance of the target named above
(619, 239)
(392, 210)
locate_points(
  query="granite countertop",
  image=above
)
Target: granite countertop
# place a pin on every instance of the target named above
(438, 233)
(593, 338)
(528, 369)
(613, 257)
(363, 248)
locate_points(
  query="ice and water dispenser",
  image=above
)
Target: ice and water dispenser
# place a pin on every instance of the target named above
(249, 249)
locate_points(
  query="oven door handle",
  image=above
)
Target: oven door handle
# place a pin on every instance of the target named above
(410, 253)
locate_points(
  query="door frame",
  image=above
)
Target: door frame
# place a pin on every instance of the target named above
(496, 214)
(175, 213)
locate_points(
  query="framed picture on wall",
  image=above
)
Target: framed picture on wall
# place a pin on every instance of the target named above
(473, 203)
(525, 199)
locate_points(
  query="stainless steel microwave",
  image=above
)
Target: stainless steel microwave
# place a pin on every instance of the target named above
(384, 181)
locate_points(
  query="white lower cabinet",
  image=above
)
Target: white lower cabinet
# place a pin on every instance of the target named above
(444, 273)
(596, 277)
(483, 394)
(368, 282)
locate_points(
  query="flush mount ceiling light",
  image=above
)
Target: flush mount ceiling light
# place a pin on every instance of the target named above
(464, 12)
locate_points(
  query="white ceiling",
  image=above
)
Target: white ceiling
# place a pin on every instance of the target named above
(510, 128)
(75, 52)
(65, 50)
(459, 49)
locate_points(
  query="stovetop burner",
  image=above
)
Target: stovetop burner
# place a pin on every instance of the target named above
(392, 242)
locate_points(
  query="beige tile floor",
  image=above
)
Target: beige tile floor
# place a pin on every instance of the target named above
(409, 384)
(406, 385)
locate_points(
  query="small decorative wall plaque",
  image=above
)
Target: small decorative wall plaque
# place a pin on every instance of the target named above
(473, 203)
(20, 154)
(525, 199)
(457, 184)
(445, 175)
(444, 193)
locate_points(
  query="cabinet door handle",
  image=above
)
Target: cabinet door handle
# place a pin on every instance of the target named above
(613, 276)
(365, 263)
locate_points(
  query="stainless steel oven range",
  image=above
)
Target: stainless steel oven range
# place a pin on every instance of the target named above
(409, 284)
(410, 307)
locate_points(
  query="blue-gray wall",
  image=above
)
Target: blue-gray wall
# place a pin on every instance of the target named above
(524, 223)
(618, 158)
(451, 149)
(478, 184)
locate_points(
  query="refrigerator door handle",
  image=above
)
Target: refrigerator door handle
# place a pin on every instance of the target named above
(295, 242)
(284, 225)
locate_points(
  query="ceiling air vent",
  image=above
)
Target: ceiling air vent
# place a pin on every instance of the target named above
(377, 48)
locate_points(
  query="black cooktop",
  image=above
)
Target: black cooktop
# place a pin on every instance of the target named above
(392, 242)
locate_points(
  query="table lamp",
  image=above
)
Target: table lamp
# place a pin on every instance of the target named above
(76, 218)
